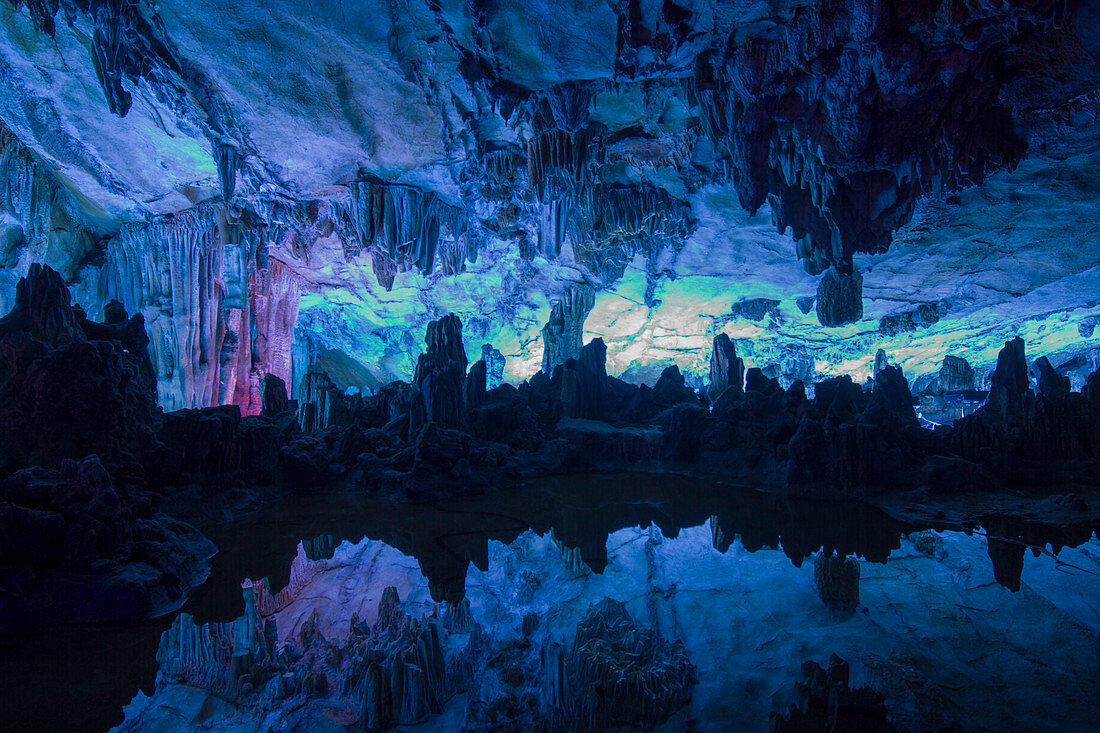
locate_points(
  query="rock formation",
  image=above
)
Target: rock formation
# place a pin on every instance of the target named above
(727, 370)
(837, 581)
(441, 372)
(826, 702)
(69, 386)
(562, 334)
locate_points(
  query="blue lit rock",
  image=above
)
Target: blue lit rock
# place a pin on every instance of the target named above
(524, 164)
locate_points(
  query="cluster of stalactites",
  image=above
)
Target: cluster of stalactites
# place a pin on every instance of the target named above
(780, 109)
(562, 164)
(403, 227)
(218, 319)
(606, 223)
(613, 223)
(39, 220)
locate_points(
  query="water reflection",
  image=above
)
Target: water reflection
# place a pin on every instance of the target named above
(724, 572)
(671, 631)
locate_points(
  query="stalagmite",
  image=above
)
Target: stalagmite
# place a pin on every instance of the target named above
(727, 370)
(562, 334)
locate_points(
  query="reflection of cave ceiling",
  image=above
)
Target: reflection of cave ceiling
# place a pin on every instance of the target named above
(403, 160)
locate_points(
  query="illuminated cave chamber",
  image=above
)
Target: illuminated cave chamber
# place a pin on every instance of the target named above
(426, 251)
(561, 196)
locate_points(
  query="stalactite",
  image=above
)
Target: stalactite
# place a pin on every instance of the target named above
(167, 270)
(217, 323)
(40, 221)
(846, 183)
(109, 52)
(610, 224)
(562, 163)
(275, 296)
(404, 227)
(225, 155)
(622, 673)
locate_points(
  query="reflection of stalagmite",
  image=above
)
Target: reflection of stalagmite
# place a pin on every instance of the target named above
(824, 701)
(837, 581)
(625, 674)
(572, 556)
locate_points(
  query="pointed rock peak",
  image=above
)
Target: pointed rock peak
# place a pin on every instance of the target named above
(444, 341)
(1049, 382)
(1009, 381)
(43, 308)
(880, 363)
(727, 370)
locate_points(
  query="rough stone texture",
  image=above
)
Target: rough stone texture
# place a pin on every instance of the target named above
(1009, 383)
(584, 382)
(1028, 439)
(562, 334)
(451, 159)
(839, 298)
(1049, 383)
(727, 370)
(955, 375)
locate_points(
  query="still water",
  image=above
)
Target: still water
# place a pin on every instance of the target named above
(990, 626)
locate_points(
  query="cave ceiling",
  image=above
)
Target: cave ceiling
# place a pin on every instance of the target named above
(816, 179)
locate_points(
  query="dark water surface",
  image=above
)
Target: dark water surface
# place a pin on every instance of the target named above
(79, 677)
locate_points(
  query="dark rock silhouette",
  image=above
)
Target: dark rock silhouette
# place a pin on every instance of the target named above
(70, 387)
(441, 371)
(727, 370)
(827, 703)
(74, 547)
(837, 581)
